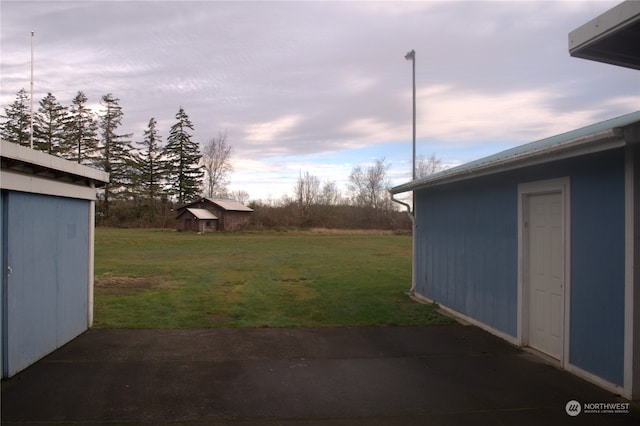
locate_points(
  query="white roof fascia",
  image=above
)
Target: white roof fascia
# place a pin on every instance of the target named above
(230, 205)
(605, 25)
(612, 20)
(202, 214)
(33, 184)
(601, 141)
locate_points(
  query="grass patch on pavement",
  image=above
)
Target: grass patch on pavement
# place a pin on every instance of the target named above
(168, 279)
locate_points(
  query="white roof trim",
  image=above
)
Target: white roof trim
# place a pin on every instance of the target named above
(611, 37)
(26, 170)
(230, 205)
(598, 137)
(202, 214)
(42, 160)
(39, 185)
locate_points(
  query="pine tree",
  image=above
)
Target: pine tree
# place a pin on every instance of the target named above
(183, 159)
(149, 164)
(116, 152)
(81, 143)
(16, 126)
(49, 126)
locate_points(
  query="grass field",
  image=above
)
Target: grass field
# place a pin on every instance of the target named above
(167, 279)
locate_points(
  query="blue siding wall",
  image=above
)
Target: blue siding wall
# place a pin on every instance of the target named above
(597, 260)
(47, 290)
(467, 253)
(467, 250)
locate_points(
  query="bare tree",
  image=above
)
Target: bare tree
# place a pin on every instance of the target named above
(240, 195)
(329, 194)
(427, 166)
(216, 160)
(369, 187)
(307, 192)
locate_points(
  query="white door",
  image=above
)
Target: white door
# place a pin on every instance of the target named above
(546, 273)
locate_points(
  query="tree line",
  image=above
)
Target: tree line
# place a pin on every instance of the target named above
(317, 204)
(149, 179)
(145, 171)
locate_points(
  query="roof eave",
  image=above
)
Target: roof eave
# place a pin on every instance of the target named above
(595, 142)
(29, 161)
(612, 38)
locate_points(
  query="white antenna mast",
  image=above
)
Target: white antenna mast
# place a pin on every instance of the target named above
(31, 130)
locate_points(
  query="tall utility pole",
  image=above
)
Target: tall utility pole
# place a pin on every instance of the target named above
(31, 129)
(411, 56)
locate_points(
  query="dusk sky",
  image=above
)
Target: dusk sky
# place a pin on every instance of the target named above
(322, 87)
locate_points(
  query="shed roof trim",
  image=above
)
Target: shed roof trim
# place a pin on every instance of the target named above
(202, 214)
(230, 205)
(596, 137)
(46, 164)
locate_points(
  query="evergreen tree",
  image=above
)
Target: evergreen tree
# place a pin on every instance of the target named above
(116, 152)
(183, 159)
(49, 126)
(149, 164)
(81, 143)
(16, 126)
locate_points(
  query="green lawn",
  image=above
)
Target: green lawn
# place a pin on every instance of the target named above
(167, 279)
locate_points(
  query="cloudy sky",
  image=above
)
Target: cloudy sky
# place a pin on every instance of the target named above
(322, 87)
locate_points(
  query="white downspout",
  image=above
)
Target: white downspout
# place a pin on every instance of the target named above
(91, 249)
(411, 215)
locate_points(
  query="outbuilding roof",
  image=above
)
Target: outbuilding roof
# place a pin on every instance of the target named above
(202, 214)
(230, 205)
(608, 134)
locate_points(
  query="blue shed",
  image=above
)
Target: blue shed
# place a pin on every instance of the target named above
(47, 207)
(539, 245)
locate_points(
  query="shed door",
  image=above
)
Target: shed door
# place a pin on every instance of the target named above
(546, 273)
(47, 240)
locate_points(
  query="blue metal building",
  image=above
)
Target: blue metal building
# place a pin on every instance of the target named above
(47, 207)
(539, 245)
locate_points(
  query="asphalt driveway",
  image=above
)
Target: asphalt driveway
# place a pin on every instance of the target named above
(440, 375)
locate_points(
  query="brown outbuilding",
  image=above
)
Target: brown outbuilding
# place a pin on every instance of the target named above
(208, 215)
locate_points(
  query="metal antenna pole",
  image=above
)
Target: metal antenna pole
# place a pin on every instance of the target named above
(31, 129)
(411, 56)
(413, 52)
